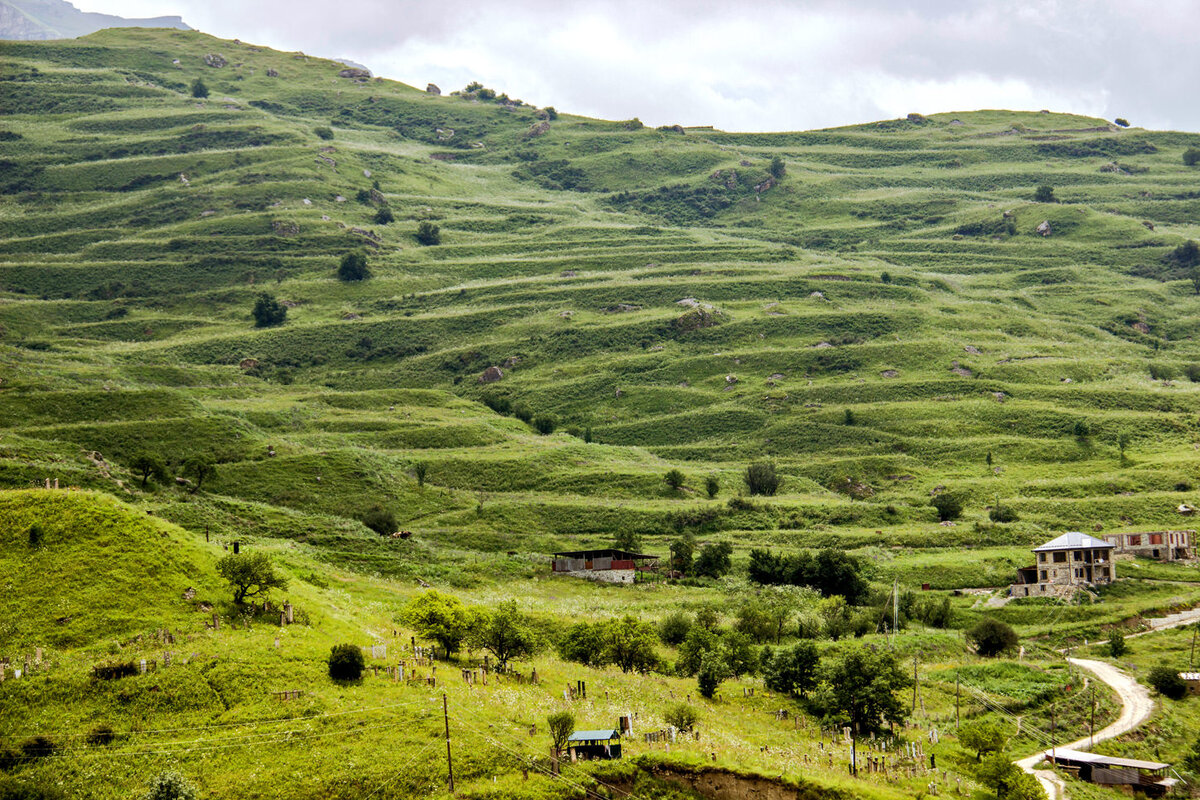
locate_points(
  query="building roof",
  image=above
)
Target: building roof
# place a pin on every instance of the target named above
(1189, 676)
(1081, 757)
(593, 736)
(620, 555)
(1074, 540)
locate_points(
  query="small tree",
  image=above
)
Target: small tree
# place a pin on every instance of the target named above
(793, 671)
(268, 311)
(948, 506)
(171, 786)
(561, 725)
(682, 552)
(627, 540)
(551, 113)
(420, 472)
(777, 169)
(1044, 194)
(761, 478)
(682, 717)
(428, 234)
(848, 417)
(440, 617)
(982, 737)
(714, 560)
(1166, 681)
(148, 465)
(861, 686)
(353, 267)
(584, 644)
(1116, 644)
(346, 662)
(674, 628)
(991, 637)
(1122, 122)
(630, 644)
(1191, 156)
(713, 670)
(712, 485)
(199, 89)
(505, 632)
(250, 575)
(384, 216)
(198, 469)
(674, 479)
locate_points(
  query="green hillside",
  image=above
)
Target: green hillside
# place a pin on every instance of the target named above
(883, 311)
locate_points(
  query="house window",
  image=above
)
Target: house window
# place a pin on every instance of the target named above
(1079, 555)
(1042, 557)
(1045, 577)
(1134, 540)
(1156, 538)
(1060, 557)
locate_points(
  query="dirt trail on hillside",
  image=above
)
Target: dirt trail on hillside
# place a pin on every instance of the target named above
(1136, 708)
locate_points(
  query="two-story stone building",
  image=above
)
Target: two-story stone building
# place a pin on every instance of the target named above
(1064, 565)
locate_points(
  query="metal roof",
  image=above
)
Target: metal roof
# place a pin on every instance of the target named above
(1189, 676)
(1107, 761)
(593, 736)
(624, 555)
(1074, 540)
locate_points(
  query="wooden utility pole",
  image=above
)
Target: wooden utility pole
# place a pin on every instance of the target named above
(914, 702)
(957, 696)
(449, 761)
(1092, 729)
(1053, 730)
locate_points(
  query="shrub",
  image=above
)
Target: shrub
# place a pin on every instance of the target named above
(561, 725)
(384, 216)
(380, 520)
(1044, 194)
(522, 412)
(885, 277)
(991, 637)
(713, 670)
(249, 575)
(712, 485)
(1166, 681)
(714, 560)
(345, 662)
(1001, 513)
(674, 479)
(171, 786)
(634, 124)
(111, 672)
(420, 472)
(38, 747)
(682, 717)
(268, 311)
(674, 628)
(323, 133)
(1160, 372)
(1121, 121)
(36, 535)
(777, 168)
(101, 735)
(551, 114)
(848, 418)
(1192, 371)
(1191, 156)
(1116, 644)
(428, 234)
(761, 478)
(545, 424)
(11, 789)
(353, 266)
(199, 89)
(948, 506)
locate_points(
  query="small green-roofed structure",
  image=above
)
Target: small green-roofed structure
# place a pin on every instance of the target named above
(600, 744)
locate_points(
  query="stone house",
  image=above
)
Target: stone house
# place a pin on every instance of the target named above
(1159, 545)
(1064, 565)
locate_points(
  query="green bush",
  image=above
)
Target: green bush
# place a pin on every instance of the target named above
(1044, 194)
(949, 506)
(761, 478)
(1122, 122)
(674, 628)
(353, 266)
(991, 637)
(380, 520)
(346, 662)
(36, 535)
(545, 424)
(712, 485)
(268, 311)
(1116, 644)
(199, 89)
(1191, 156)
(323, 133)
(384, 216)
(682, 716)
(428, 234)
(171, 786)
(1166, 681)
(1003, 513)
(674, 479)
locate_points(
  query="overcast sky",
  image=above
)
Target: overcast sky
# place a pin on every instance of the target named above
(751, 65)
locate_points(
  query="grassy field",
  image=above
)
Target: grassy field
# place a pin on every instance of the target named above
(883, 321)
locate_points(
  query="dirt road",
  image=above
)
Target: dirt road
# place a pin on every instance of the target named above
(1136, 708)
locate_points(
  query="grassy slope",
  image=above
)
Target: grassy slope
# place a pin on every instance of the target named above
(125, 311)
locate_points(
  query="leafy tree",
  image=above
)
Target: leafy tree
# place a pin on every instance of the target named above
(682, 717)
(837, 616)
(1121, 121)
(198, 469)
(584, 643)
(674, 479)
(1191, 156)
(561, 725)
(630, 644)
(346, 662)
(353, 267)
(696, 644)
(505, 632)
(250, 575)
(323, 132)
(551, 113)
(627, 540)
(268, 311)
(714, 560)
(777, 169)
(199, 89)
(674, 628)
(440, 617)
(171, 786)
(885, 277)
(1166, 681)
(380, 519)
(1116, 644)
(848, 418)
(983, 737)
(768, 568)
(148, 466)
(754, 620)
(713, 670)
(1003, 513)
(761, 478)
(991, 637)
(793, 671)
(545, 424)
(428, 234)
(712, 485)
(682, 550)
(949, 506)
(384, 216)
(831, 572)
(421, 471)
(738, 652)
(707, 617)
(860, 686)
(1044, 194)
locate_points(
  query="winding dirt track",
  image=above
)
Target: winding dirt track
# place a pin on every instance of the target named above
(1136, 708)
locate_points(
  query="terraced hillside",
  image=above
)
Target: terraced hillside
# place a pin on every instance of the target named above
(880, 317)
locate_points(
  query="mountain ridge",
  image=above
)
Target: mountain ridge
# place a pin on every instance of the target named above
(40, 20)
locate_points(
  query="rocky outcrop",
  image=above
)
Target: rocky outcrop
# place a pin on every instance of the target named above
(1044, 228)
(433, 89)
(38, 20)
(356, 74)
(215, 60)
(491, 375)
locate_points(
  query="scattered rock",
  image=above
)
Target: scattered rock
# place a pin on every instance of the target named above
(247, 364)
(512, 361)
(566, 314)
(540, 129)
(189, 593)
(621, 308)
(176, 62)
(306, 201)
(289, 303)
(285, 228)
(433, 89)
(1098, 527)
(352, 316)
(215, 60)
(1141, 327)
(371, 235)
(327, 149)
(745, 163)
(366, 173)
(1044, 228)
(491, 375)
(890, 373)
(769, 183)
(959, 370)
(272, 72)
(956, 123)
(354, 73)
(1000, 396)
(690, 302)
(822, 345)
(618, 393)
(327, 161)
(1149, 225)
(778, 376)
(972, 349)
(207, 213)
(817, 296)
(325, 218)
(377, 198)
(339, 199)
(568, 273)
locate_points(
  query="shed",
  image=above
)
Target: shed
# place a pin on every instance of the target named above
(602, 744)
(1192, 679)
(1147, 777)
(608, 564)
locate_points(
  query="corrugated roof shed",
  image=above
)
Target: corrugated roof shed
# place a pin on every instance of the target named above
(1074, 540)
(593, 736)
(1081, 757)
